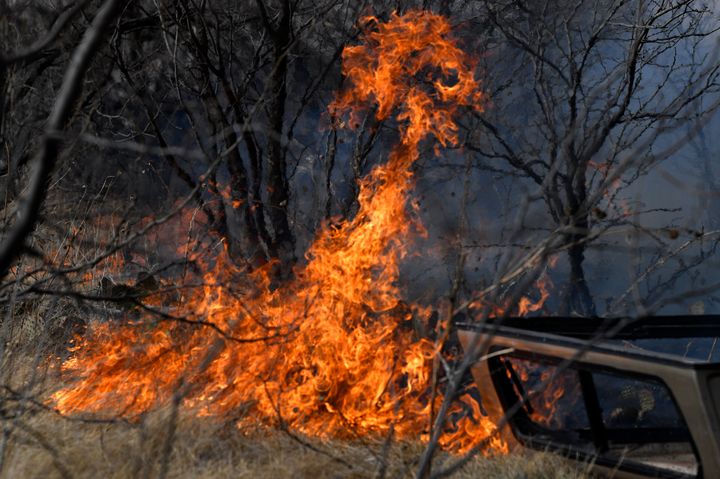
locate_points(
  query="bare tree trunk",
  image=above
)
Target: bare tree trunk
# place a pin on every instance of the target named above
(253, 211)
(283, 244)
(239, 189)
(578, 299)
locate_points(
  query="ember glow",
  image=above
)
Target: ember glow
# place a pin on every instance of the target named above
(327, 353)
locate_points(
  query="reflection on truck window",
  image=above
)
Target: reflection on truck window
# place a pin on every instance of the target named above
(608, 416)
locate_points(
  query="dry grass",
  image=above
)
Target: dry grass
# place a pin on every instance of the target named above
(48, 446)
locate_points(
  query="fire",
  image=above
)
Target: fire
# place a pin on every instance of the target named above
(327, 353)
(551, 393)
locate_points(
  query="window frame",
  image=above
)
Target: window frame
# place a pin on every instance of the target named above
(595, 448)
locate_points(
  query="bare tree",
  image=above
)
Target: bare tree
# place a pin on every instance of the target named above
(576, 86)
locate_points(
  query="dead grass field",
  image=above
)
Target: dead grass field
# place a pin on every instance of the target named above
(46, 446)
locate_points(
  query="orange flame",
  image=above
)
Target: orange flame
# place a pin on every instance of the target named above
(551, 394)
(327, 353)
